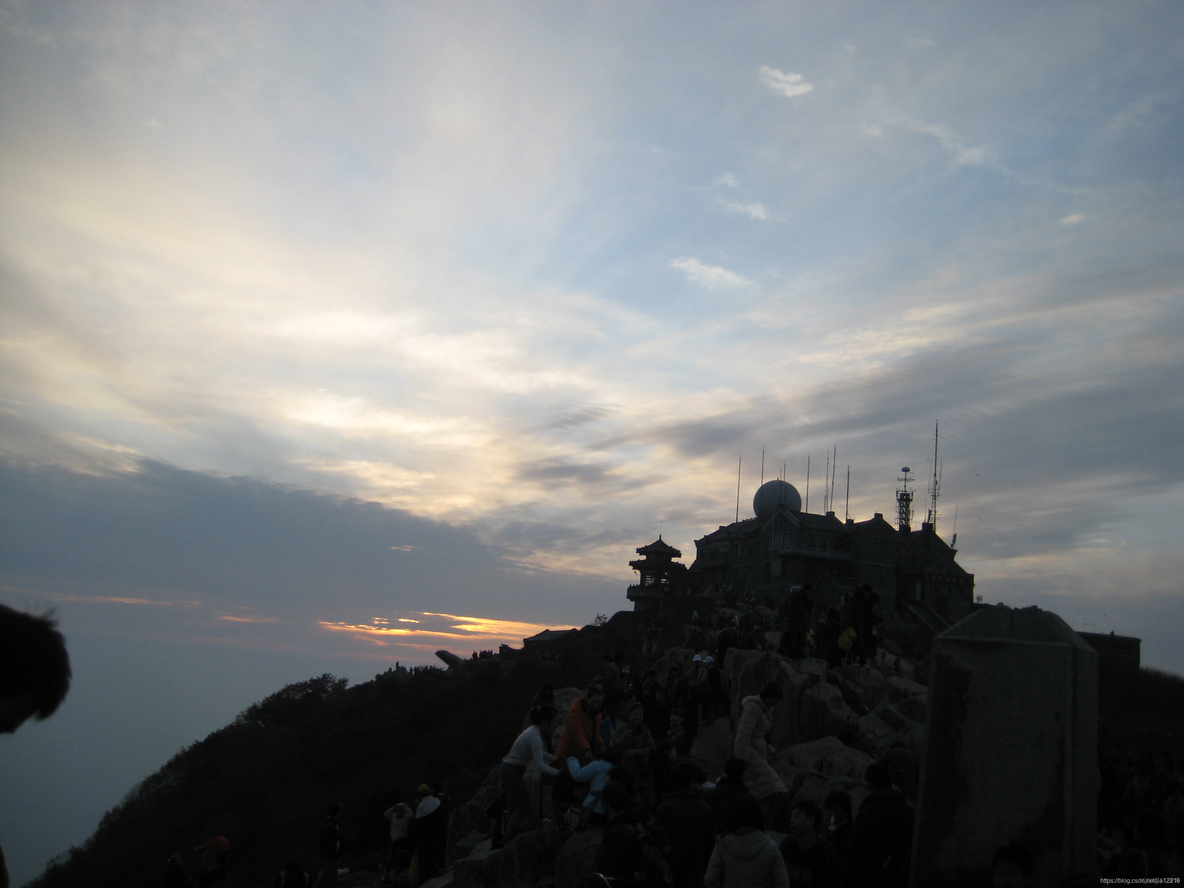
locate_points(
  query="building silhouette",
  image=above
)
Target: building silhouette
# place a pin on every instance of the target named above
(922, 589)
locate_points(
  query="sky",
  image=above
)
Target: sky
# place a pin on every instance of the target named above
(335, 334)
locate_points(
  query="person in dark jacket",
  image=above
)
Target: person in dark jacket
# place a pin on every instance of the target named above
(882, 838)
(430, 830)
(686, 826)
(619, 855)
(722, 797)
(811, 863)
(329, 847)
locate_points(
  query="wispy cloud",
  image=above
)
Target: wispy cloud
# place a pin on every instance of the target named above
(753, 210)
(787, 84)
(964, 154)
(711, 277)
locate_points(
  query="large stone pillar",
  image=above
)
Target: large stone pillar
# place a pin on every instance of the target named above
(1011, 749)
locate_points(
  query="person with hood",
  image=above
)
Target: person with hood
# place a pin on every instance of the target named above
(752, 746)
(746, 857)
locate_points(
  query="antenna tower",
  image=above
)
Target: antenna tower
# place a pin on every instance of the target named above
(934, 485)
(904, 503)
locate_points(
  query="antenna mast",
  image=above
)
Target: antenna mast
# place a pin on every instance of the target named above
(826, 486)
(807, 506)
(904, 503)
(934, 485)
(833, 468)
(739, 463)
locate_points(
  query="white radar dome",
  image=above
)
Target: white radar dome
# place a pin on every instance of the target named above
(772, 494)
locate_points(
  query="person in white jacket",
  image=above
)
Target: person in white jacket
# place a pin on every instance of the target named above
(753, 747)
(746, 857)
(531, 746)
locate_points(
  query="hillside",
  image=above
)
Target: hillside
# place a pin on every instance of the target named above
(265, 779)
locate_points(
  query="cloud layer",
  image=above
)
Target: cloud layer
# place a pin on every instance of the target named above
(314, 317)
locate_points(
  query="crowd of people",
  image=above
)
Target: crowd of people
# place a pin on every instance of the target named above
(621, 767)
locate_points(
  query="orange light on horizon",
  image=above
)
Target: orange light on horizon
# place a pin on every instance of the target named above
(481, 631)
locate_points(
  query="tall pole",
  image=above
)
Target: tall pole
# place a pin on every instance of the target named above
(739, 463)
(807, 509)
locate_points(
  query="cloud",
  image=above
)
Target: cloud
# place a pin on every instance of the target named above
(756, 211)
(789, 85)
(220, 545)
(711, 277)
(964, 155)
(1073, 219)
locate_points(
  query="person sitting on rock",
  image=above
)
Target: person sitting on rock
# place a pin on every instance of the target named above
(636, 746)
(811, 862)
(593, 776)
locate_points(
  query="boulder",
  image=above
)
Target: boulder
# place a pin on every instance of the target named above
(575, 857)
(812, 754)
(897, 688)
(527, 860)
(823, 712)
(901, 722)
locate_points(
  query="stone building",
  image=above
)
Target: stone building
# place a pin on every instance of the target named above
(913, 571)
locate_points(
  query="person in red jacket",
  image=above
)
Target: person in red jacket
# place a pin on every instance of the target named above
(582, 730)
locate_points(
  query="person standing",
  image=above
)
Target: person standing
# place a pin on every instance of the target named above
(430, 832)
(530, 746)
(401, 817)
(329, 847)
(752, 745)
(811, 863)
